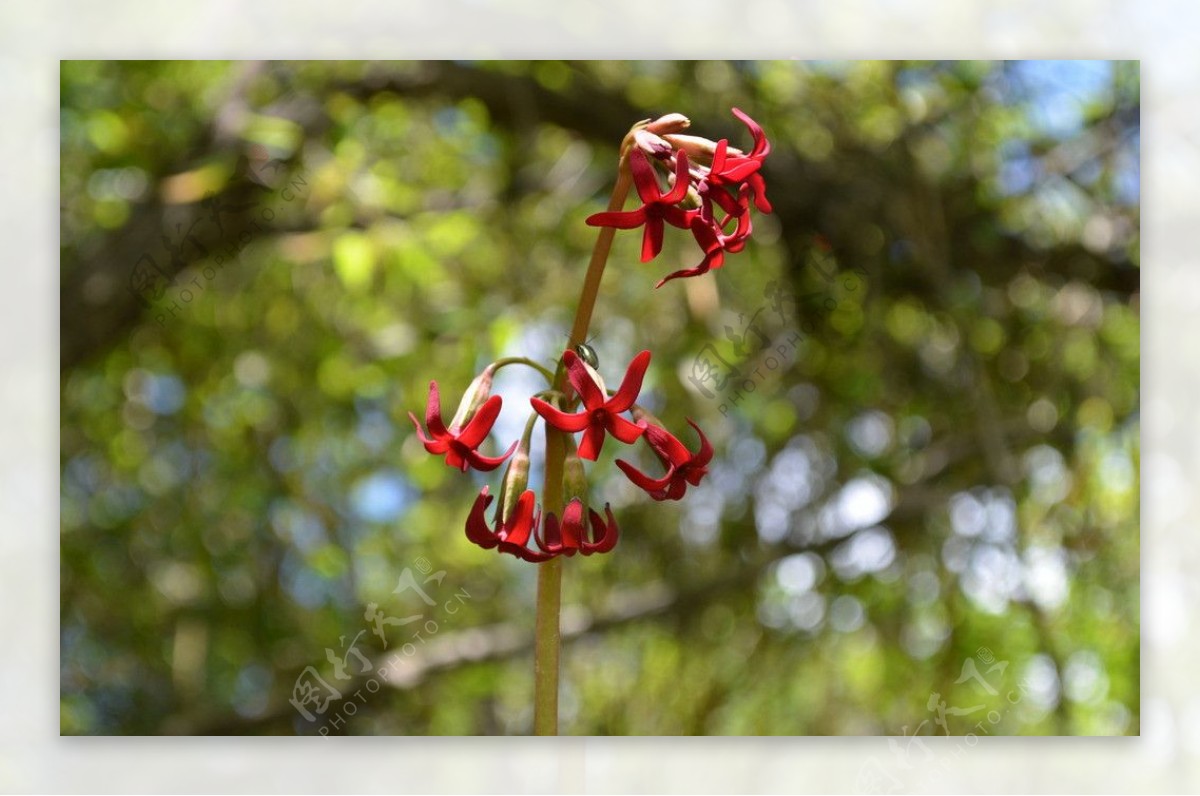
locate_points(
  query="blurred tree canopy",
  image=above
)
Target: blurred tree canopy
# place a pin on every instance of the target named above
(928, 505)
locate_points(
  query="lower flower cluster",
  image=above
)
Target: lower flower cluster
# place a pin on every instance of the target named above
(567, 537)
(518, 527)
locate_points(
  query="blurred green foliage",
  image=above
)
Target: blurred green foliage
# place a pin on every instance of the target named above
(945, 469)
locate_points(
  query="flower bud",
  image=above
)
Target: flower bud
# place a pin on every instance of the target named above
(698, 149)
(473, 398)
(651, 144)
(516, 477)
(575, 485)
(642, 416)
(671, 123)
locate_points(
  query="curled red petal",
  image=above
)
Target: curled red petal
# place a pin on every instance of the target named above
(434, 446)
(675, 489)
(572, 527)
(527, 554)
(714, 255)
(666, 445)
(737, 241)
(759, 187)
(682, 180)
(704, 234)
(762, 147)
(652, 238)
(582, 381)
(722, 198)
(678, 217)
(718, 161)
(631, 385)
(517, 527)
(618, 219)
(684, 273)
(704, 455)
(592, 442)
(485, 464)
(559, 419)
(549, 539)
(478, 530)
(455, 458)
(604, 535)
(433, 412)
(481, 423)
(643, 177)
(643, 481)
(739, 169)
(623, 429)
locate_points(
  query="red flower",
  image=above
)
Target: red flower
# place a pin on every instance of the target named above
(737, 241)
(714, 251)
(460, 445)
(511, 534)
(737, 171)
(657, 207)
(573, 533)
(683, 466)
(598, 415)
(762, 148)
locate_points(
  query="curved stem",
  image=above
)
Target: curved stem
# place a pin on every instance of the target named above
(499, 363)
(549, 596)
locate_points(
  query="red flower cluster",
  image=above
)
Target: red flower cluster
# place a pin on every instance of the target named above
(710, 187)
(600, 415)
(570, 536)
(706, 178)
(519, 527)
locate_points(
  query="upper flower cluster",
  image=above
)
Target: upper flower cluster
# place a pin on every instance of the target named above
(710, 189)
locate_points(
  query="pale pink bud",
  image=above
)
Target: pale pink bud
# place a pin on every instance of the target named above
(651, 144)
(473, 398)
(671, 123)
(698, 149)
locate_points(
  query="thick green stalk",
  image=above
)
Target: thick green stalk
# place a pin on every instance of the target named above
(549, 596)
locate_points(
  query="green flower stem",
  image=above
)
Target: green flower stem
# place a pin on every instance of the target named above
(499, 363)
(549, 596)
